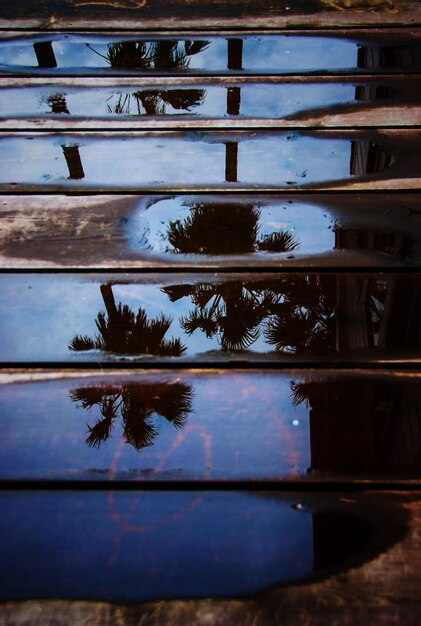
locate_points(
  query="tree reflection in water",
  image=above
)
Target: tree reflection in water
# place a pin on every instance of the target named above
(225, 228)
(154, 55)
(295, 314)
(155, 102)
(124, 332)
(138, 405)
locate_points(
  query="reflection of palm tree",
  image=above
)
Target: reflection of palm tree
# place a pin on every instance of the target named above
(282, 241)
(304, 321)
(73, 161)
(159, 55)
(154, 102)
(138, 405)
(125, 332)
(296, 314)
(163, 54)
(225, 228)
(216, 229)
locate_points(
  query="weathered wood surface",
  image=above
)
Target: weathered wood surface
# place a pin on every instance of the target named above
(216, 14)
(120, 231)
(282, 102)
(384, 590)
(210, 161)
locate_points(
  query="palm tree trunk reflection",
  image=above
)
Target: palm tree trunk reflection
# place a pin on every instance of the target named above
(124, 332)
(109, 302)
(74, 162)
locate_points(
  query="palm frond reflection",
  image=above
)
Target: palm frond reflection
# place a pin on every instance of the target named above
(155, 102)
(139, 407)
(163, 54)
(294, 314)
(225, 228)
(122, 331)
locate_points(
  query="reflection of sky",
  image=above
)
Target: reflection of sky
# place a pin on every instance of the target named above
(310, 224)
(270, 53)
(126, 547)
(298, 53)
(265, 101)
(253, 429)
(273, 159)
(40, 314)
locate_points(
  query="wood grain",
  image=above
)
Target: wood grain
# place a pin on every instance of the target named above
(141, 14)
(57, 231)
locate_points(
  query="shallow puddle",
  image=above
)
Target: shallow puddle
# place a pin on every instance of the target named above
(211, 230)
(264, 54)
(238, 100)
(210, 159)
(56, 318)
(132, 547)
(210, 226)
(216, 426)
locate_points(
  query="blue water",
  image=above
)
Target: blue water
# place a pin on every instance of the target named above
(131, 547)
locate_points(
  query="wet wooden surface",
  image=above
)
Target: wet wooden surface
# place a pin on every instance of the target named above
(385, 590)
(211, 161)
(228, 103)
(209, 259)
(211, 426)
(347, 317)
(120, 231)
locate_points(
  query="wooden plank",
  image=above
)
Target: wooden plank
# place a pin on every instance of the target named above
(141, 14)
(299, 426)
(41, 54)
(210, 161)
(210, 318)
(381, 584)
(210, 231)
(153, 103)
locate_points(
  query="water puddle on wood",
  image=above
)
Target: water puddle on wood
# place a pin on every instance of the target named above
(201, 317)
(264, 54)
(179, 545)
(226, 425)
(211, 230)
(214, 227)
(211, 159)
(235, 100)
